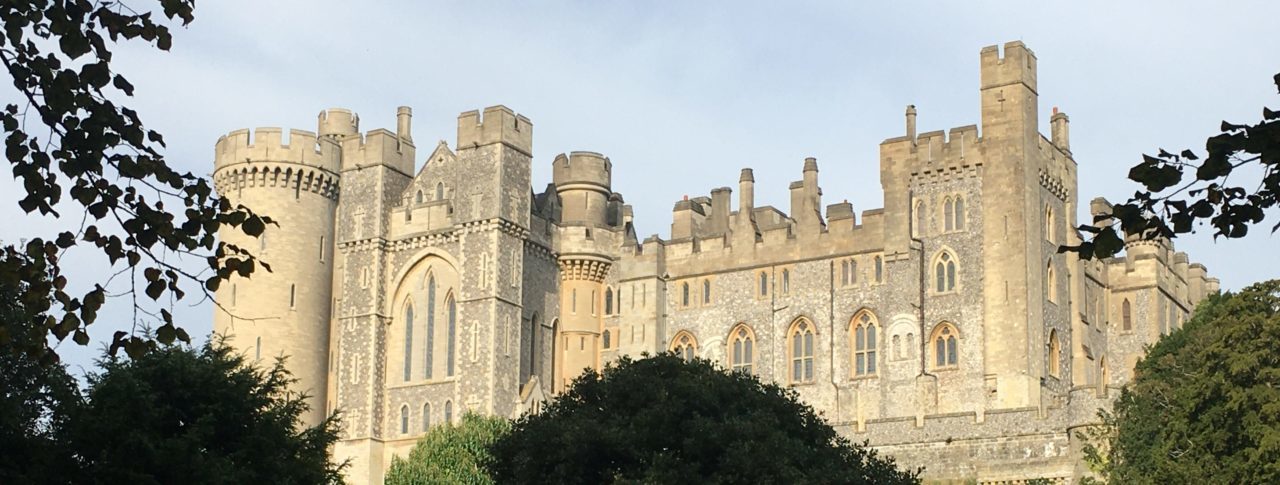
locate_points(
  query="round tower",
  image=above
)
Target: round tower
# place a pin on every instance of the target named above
(284, 312)
(582, 181)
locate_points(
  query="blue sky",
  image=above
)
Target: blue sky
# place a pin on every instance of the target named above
(704, 89)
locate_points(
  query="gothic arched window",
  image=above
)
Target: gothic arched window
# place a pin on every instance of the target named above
(408, 341)
(448, 412)
(844, 273)
(685, 345)
(944, 346)
(428, 361)
(608, 301)
(426, 417)
(452, 307)
(948, 215)
(959, 213)
(606, 339)
(786, 281)
(742, 348)
(917, 229)
(684, 294)
(439, 190)
(879, 269)
(864, 344)
(1051, 284)
(404, 419)
(944, 269)
(418, 198)
(706, 292)
(1055, 354)
(764, 284)
(1126, 315)
(800, 351)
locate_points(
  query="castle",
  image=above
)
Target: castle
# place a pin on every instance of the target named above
(944, 328)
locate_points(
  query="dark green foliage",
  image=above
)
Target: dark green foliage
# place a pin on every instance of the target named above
(37, 400)
(1204, 406)
(66, 138)
(178, 415)
(1181, 190)
(452, 454)
(664, 420)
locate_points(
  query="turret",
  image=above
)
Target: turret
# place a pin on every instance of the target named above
(583, 181)
(1061, 130)
(284, 312)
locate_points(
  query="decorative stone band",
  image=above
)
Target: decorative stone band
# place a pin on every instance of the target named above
(298, 178)
(582, 266)
(1053, 184)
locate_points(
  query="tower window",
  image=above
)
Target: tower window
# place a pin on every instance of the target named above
(606, 339)
(452, 308)
(292, 295)
(764, 284)
(448, 411)
(426, 417)
(1126, 316)
(801, 350)
(959, 224)
(944, 346)
(786, 282)
(1055, 354)
(321, 249)
(404, 419)
(684, 294)
(945, 273)
(428, 359)
(408, 341)
(706, 292)
(864, 345)
(685, 346)
(608, 301)
(879, 269)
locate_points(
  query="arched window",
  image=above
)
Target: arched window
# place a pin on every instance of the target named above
(800, 350)
(917, 229)
(408, 341)
(706, 292)
(1048, 224)
(742, 348)
(879, 269)
(959, 213)
(948, 215)
(685, 346)
(1126, 316)
(786, 281)
(1051, 284)
(1055, 354)
(608, 301)
(844, 273)
(439, 190)
(853, 271)
(535, 339)
(418, 198)
(944, 346)
(684, 294)
(448, 412)
(764, 284)
(404, 419)
(452, 307)
(864, 344)
(428, 359)
(944, 269)
(606, 339)
(426, 417)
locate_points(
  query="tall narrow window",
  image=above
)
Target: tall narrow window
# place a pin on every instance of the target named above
(608, 301)
(786, 282)
(429, 346)
(452, 308)
(418, 197)
(853, 271)
(573, 301)
(233, 295)
(1055, 354)
(879, 269)
(606, 339)
(864, 344)
(741, 343)
(257, 349)
(918, 228)
(408, 341)
(426, 408)
(764, 284)
(321, 249)
(945, 273)
(448, 412)
(944, 346)
(1048, 223)
(959, 214)
(801, 350)
(684, 294)
(1051, 284)
(439, 190)
(685, 346)
(948, 215)
(1126, 316)
(844, 273)
(404, 419)
(593, 302)
(706, 292)
(292, 295)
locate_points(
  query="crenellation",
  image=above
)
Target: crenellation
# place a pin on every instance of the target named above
(989, 347)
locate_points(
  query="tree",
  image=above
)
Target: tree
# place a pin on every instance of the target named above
(1181, 190)
(37, 400)
(68, 138)
(664, 420)
(182, 415)
(1204, 405)
(451, 453)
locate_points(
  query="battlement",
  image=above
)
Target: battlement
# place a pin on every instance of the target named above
(268, 145)
(582, 170)
(338, 123)
(1017, 65)
(498, 125)
(378, 147)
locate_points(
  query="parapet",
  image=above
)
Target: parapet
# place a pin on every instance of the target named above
(498, 125)
(1018, 65)
(267, 145)
(338, 123)
(582, 170)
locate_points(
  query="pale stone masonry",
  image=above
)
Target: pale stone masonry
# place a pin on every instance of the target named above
(945, 328)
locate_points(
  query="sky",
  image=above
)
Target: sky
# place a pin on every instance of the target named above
(682, 95)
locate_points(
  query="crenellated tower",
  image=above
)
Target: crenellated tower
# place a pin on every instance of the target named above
(283, 312)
